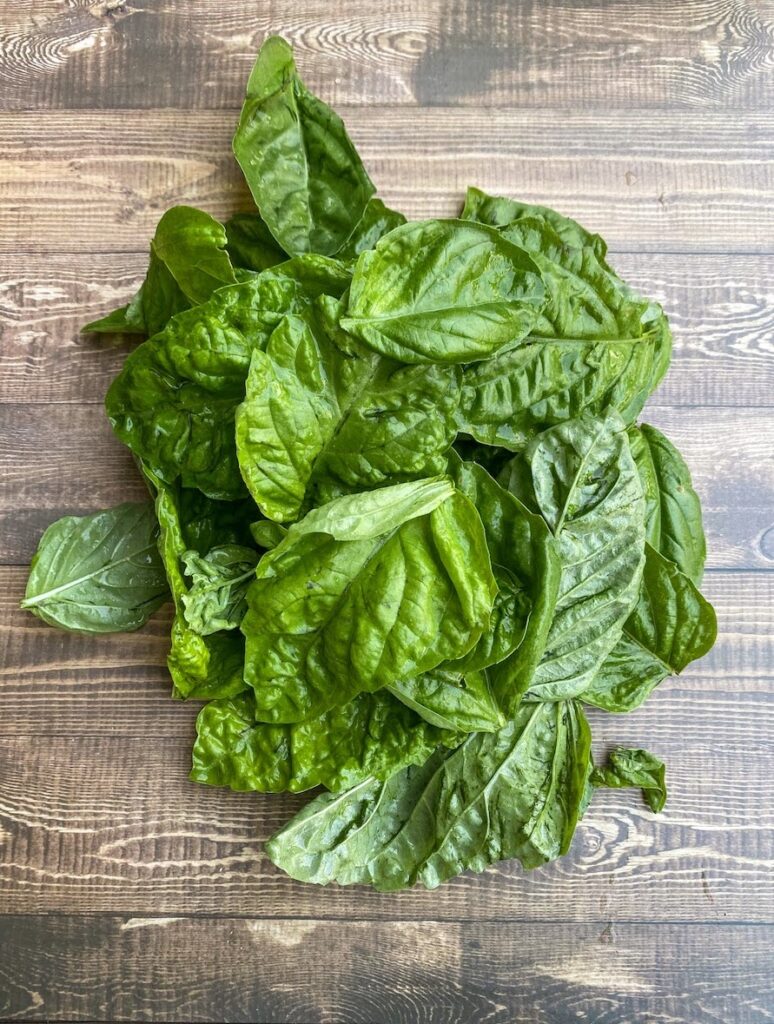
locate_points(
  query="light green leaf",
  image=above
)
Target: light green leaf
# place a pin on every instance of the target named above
(216, 598)
(450, 700)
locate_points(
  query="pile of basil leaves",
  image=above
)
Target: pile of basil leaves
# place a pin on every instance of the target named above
(401, 506)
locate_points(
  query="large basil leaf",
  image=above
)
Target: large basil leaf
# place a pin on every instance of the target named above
(671, 626)
(317, 422)
(450, 699)
(250, 244)
(188, 261)
(596, 346)
(512, 793)
(216, 598)
(364, 591)
(581, 477)
(377, 220)
(303, 171)
(674, 522)
(636, 769)
(443, 291)
(373, 736)
(175, 399)
(523, 551)
(99, 573)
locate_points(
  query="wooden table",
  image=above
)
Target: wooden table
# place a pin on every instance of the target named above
(127, 892)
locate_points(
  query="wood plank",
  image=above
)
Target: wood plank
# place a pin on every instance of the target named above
(104, 53)
(92, 182)
(160, 969)
(721, 309)
(63, 459)
(56, 683)
(96, 811)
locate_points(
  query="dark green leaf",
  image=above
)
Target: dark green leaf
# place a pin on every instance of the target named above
(99, 573)
(634, 768)
(303, 171)
(513, 793)
(443, 291)
(251, 245)
(377, 220)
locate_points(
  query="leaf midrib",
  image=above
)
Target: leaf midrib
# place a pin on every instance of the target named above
(39, 599)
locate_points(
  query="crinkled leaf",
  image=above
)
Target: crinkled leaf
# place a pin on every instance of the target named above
(216, 598)
(581, 477)
(512, 793)
(301, 166)
(671, 626)
(328, 618)
(317, 422)
(373, 735)
(443, 291)
(637, 769)
(99, 573)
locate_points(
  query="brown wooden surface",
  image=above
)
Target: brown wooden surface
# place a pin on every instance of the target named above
(129, 893)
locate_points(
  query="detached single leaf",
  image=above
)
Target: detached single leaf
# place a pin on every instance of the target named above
(216, 598)
(318, 422)
(581, 477)
(636, 769)
(410, 588)
(443, 291)
(512, 793)
(372, 736)
(99, 573)
(671, 626)
(303, 171)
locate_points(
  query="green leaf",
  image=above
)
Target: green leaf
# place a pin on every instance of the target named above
(581, 477)
(216, 598)
(451, 700)
(372, 736)
(250, 244)
(671, 626)
(303, 171)
(634, 768)
(99, 573)
(596, 346)
(674, 521)
(513, 793)
(317, 422)
(175, 400)
(188, 261)
(377, 220)
(443, 291)
(364, 591)
(522, 550)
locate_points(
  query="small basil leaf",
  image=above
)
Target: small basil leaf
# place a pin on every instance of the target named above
(450, 700)
(216, 598)
(637, 769)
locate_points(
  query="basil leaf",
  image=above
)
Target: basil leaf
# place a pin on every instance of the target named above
(99, 573)
(250, 244)
(408, 589)
(216, 598)
(317, 422)
(512, 793)
(372, 736)
(581, 477)
(634, 768)
(443, 291)
(377, 220)
(671, 626)
(303, 171)
(450, 700)
(674, 521)
(188, 262)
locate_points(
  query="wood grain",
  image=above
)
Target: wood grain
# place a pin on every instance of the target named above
(721, 309)
(71, 183)
(160, 969)
(63, 459)
(106, 53)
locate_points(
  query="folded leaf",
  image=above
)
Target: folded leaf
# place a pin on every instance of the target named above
(250, 244)
(443, 291)
(99, 573)
(581, 477)
(596, 346)
(674, 522)
(303, 171)
(637, 769)
(175, 399)
(512, 793)
(409, 588)
(671, 626)
(373, 735)
(216, 598)
(188, 262)
(317, 422)
(451, 700)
